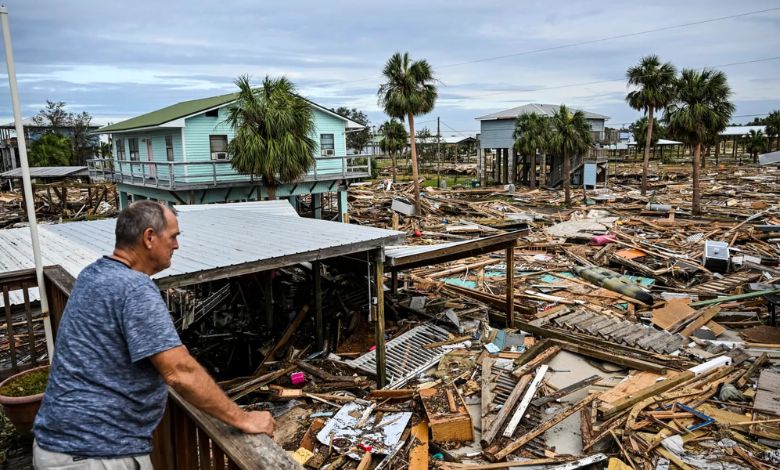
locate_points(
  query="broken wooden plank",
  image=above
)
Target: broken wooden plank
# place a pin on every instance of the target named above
(446, 426)
(491, 433)
(566, 390)
(539, 430)
(418, 454)
(542, 357)
(529, 395)
(607, 410)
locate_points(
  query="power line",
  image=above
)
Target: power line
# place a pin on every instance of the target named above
(609, 38)
(566, 46)
(616, 79)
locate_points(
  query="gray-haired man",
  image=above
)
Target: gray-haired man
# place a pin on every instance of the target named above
(116, 350)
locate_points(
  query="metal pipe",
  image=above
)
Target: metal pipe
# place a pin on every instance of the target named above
(28, 194)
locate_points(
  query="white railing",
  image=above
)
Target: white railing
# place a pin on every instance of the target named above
(180, 175)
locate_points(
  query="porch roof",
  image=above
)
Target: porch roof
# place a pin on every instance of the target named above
(215, 243)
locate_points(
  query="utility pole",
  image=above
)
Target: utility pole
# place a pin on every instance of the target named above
(438, 152)
(26, 184)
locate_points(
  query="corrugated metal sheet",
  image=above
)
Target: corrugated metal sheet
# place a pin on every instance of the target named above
(732, 131)
(277, 207)
(542, 109)
(210, 239)
(48, 172)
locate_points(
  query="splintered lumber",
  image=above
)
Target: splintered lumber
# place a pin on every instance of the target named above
(542, 428)
(501, 465)
(418, 454)
(610, 356)
(757, 364)
(489, 434)
(286, 336)
(447, 425)
(566, 390)
(365, 462)
(542, 357)
(529, 395)
(607, 410)
(704, 318)
(487, 396)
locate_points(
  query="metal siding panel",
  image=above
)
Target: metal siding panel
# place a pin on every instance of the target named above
(497, 134)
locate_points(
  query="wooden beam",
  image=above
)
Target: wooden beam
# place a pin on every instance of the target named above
(316, 268)
(510, 286)
(488, 435)
(529, 395)
(379, 275)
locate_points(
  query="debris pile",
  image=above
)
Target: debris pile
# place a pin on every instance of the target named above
(60, 201)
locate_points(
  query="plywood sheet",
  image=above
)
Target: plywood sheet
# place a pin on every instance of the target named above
(629, 386)
(672, 314)
(768, 392)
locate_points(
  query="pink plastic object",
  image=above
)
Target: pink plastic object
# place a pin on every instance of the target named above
(600, 240)
(297, 378)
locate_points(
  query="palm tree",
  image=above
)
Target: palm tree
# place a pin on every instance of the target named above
(408, 92)
(571, 135)
(393, 140)
(755, 143)
(273, 128)
(654, 84)
(701, 109)
(773, 128)
(532, 133)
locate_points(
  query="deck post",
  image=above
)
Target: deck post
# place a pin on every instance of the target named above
(379, 274)
(316, 205)
(316, 269)
(343, 204)
(123, 200)
(266, 284)
(510, 286)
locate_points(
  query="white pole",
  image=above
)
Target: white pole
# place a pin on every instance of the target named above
(28, 194)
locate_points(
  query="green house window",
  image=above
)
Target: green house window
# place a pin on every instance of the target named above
(133, 144)
(120, 149)
(169, 147)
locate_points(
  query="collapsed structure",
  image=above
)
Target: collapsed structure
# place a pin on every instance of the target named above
(508, 332)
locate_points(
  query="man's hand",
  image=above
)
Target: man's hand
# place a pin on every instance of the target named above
(258, 422)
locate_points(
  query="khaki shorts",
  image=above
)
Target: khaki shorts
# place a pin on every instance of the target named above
(46, 460)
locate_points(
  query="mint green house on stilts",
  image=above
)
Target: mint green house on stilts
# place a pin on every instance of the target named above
(179, 154)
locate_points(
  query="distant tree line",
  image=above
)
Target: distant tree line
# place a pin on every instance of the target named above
(66, 138)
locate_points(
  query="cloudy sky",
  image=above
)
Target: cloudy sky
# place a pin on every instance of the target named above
(120, 59)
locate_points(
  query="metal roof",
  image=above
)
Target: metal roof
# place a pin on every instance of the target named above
(212, 241)
(191, 107)
(48, 172)
(543, 109)
(411, 256)
(277, 207)
(742, 130)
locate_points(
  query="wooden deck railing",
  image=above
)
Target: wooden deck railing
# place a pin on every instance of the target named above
(22, 338)
(189, 439)
(186, 439)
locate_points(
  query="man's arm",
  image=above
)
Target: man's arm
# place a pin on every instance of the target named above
(183, 373)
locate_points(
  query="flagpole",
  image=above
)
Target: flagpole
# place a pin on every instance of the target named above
(28, 194)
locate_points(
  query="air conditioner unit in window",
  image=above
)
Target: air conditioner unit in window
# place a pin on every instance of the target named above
(328, 152)
(219, 155)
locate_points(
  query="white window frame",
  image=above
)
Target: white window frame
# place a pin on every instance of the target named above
(328, 151)
(216, 155)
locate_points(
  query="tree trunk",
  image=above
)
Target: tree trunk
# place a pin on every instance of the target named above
(696, 209)
(271, 188)
(567, 179)
(704, 157)
(415, 175)
(543, 170)
(392, 156)
(717, 151)
(532, 177)
(648, 140)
